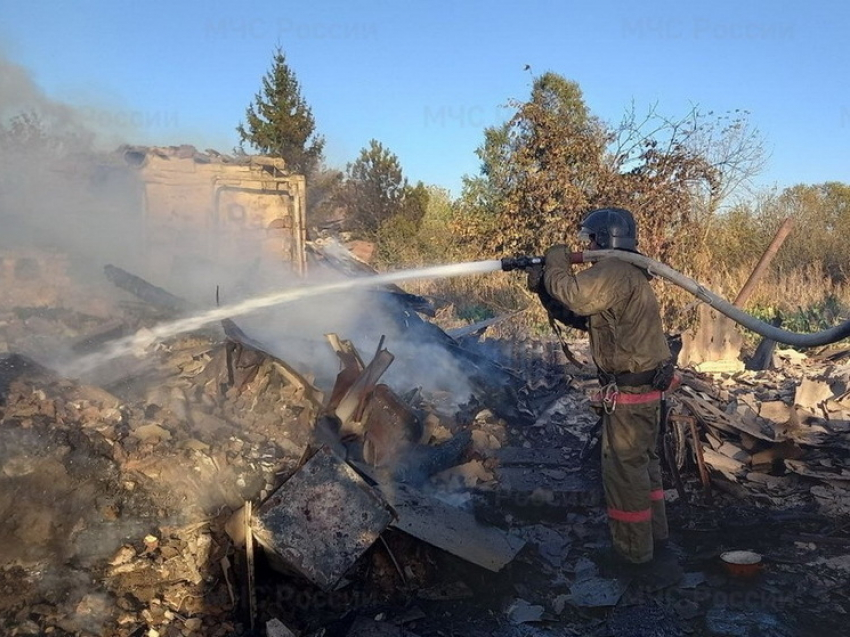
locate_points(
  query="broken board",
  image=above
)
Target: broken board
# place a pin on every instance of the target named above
(451, 529)
(321, 519)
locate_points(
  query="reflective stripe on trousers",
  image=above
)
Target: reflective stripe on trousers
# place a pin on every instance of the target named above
(636, 516)
(631, 475)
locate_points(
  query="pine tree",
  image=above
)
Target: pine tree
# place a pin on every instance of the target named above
(377, 191)
(280, 123)
(376, 187)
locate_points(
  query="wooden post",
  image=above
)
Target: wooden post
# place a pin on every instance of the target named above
(764, 262)
(249, 555)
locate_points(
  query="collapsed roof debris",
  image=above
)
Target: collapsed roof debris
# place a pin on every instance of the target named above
(760, 429)
(117, 499)
(161, 443)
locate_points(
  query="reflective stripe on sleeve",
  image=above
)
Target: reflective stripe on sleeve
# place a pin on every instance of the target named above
(656, 494)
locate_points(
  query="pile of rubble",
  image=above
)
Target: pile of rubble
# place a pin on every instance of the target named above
(763, 430)
(115, 508)
(126, 505)
(212, 488)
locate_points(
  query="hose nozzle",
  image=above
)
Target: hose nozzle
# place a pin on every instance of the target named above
(525, 262)
(520, 263)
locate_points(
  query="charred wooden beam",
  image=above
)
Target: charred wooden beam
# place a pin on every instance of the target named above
(423, 461)
(346, 352)
(96, 339)
(352, 403)
(390, 427)
(237, 336)
(451, 529)
(147, 292)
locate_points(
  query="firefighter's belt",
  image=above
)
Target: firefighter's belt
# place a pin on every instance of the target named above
(607, 395)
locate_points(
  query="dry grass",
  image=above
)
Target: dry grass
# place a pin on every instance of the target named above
(805, 295)
(804, 291)
(786, 291)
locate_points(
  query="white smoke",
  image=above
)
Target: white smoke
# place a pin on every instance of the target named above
(60, 193)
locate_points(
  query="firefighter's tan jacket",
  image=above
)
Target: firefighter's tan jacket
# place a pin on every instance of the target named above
(626, 334)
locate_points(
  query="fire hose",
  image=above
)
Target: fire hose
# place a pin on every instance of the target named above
(655, 268)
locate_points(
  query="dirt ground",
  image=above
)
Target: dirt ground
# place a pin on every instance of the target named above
(114, 500)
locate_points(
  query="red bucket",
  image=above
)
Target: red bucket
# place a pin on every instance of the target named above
(741, 563)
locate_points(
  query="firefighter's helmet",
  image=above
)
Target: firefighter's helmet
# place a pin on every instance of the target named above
(611, 228)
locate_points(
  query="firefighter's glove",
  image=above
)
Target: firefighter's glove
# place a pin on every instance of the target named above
(535, 278)
(558, 256)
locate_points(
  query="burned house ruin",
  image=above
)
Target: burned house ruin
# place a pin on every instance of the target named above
(224, 481)
(217, 208)
(167, 214)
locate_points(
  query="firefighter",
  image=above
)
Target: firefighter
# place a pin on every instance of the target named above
(615, 303)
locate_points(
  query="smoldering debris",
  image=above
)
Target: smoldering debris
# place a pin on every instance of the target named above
(114, 500)
(116, 489)
(322, 519)
(149, 468)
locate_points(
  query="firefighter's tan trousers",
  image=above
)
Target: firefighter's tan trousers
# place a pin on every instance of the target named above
(631, 475)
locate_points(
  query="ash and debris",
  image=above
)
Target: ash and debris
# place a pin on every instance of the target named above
(116, 498)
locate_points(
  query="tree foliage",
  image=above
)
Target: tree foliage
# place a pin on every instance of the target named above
(280, 123)
(538, 170)
(553, 161)
(821, 214)
(28, 134)
(324, 202)
(821, 225)
(404, 242)
(376, 191)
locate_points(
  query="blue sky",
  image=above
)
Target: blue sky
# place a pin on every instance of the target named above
(426, 78)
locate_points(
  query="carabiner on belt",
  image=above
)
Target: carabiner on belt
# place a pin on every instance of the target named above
(609, 395)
